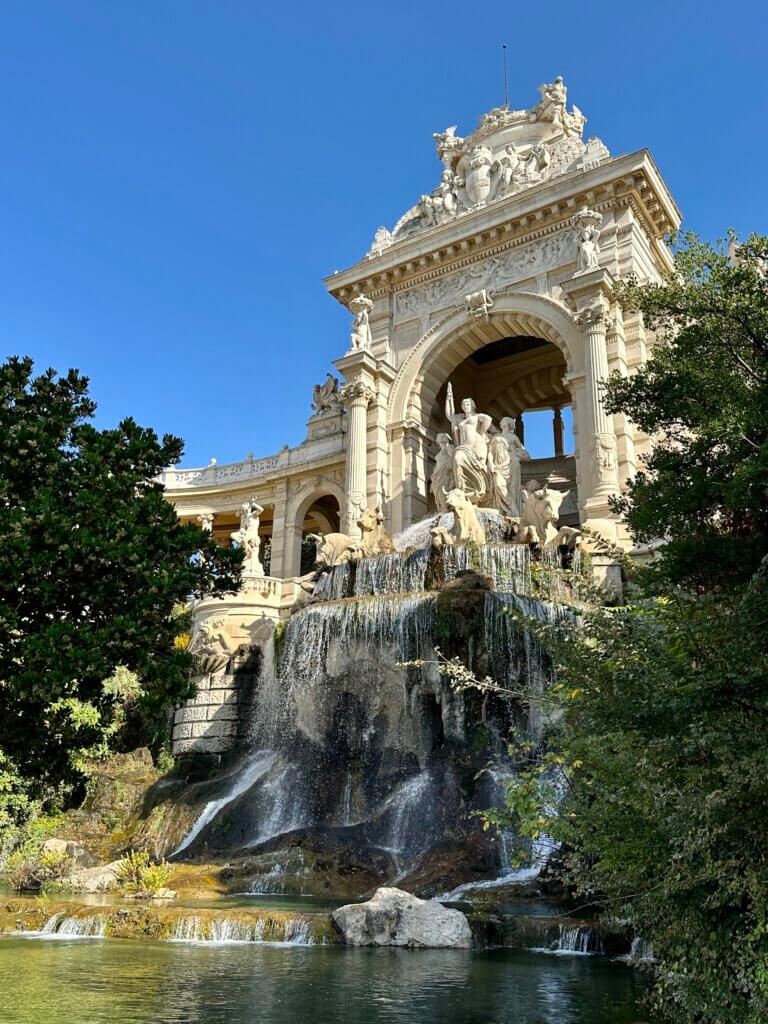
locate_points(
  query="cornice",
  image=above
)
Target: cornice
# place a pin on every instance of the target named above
(525, 217)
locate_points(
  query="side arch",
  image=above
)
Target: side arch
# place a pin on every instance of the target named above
(296, 512)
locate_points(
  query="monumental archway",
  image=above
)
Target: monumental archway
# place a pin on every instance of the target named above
(540, 364)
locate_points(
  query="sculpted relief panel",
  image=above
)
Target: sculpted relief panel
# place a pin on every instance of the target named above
(491, 274)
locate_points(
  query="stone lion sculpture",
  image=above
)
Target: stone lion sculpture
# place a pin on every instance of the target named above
(336, 548)
(467, 528)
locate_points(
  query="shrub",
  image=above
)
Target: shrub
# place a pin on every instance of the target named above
(137, 873)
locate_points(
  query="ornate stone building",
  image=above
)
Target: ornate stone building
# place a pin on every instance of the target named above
(499, 282)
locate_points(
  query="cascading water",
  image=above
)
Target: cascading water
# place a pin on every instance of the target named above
(360, 748)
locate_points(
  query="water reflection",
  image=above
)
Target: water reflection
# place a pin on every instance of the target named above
(161, 983)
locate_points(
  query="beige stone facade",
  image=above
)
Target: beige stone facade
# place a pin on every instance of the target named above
(498, 281)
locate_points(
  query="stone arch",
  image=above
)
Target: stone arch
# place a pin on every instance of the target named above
(296, 513)
(457, 335)
(446, 344)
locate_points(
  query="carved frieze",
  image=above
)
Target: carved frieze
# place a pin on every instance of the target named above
(493, 273)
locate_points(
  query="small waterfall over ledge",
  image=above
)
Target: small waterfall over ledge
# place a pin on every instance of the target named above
(362, 757)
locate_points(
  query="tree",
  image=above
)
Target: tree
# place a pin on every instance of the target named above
(94, 561)
(703, 396)
(664, 737)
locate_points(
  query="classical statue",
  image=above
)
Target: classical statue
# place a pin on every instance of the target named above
(336, 548)
(212, 647)
(507, 452)
(470, 433)
(509, 168)
(537, 162)
(448, 145)
(551, 106)
(360, 340)
(442, 477)
(587, 224)
(325, 397)
(247, 537)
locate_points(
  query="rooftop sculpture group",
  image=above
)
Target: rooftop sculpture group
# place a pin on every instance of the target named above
(510, 150)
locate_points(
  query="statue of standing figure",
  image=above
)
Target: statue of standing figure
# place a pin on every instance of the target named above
(360, 340)
(507, 452)
(470, 462)
(442, 477)
(247, 537)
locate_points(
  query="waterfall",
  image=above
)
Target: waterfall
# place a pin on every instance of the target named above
(509, 565)
(269, 884)
(334, 584)
(60, 927)
(579, 940)
(378, 623)
(296, 931)
(392, 574)
(255, 767)
(518, 657)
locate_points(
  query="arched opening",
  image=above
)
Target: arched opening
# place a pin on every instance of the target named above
(323, 516)
(314, 510)
(519, 377)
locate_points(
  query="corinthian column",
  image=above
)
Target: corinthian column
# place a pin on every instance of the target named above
(356, 395)
(593, 320)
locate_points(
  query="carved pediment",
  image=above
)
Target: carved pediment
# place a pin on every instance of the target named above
(510, 151)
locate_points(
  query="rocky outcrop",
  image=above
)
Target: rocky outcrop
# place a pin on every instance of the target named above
(396, 918)
(77, 856)
(97, 879)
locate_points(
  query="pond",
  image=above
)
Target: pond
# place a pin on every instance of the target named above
(107, 980)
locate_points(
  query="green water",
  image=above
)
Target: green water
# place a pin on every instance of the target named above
(93, 981)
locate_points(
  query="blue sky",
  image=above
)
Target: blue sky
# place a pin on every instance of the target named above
(177, 177)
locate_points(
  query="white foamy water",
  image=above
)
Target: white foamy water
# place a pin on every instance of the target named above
(256, 766)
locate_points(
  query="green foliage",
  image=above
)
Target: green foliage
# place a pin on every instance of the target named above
(662, 745)
(138, 873)
(95, 562)
(705, 487)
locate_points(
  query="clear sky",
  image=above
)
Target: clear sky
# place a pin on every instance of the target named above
(177, 176)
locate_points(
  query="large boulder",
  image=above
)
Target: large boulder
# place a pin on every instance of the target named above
(73, 852)
(97, 879)
(392, 917)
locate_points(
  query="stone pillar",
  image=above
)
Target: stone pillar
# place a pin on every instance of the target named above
(593, 319)
(356, 395)
(589, 292)
(557, 432)
(520, 427)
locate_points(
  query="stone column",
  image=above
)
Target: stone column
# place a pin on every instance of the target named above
(593, 319)
(520, 427)
(557, 432)
(356, 395)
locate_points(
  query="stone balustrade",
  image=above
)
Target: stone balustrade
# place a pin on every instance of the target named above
(175, 480)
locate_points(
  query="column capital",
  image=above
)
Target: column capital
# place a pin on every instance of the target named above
(595, 314)
(357, 391)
